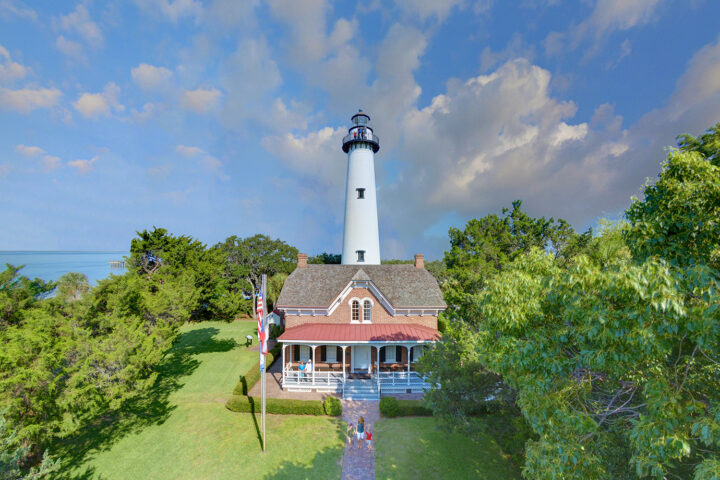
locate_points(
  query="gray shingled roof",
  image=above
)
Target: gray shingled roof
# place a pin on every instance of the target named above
(403, 285)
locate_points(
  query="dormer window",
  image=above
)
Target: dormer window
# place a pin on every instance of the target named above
(360, 192)
(360, 255)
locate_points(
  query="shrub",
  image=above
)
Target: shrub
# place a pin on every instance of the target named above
(333, 407)
(413, 408)
(389, 407)
(252, 376)
(392, 407)
(280, 406)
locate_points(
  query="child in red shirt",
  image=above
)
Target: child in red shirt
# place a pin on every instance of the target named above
(368, 439)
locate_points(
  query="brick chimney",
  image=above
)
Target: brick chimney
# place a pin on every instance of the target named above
(302, 260)
(419, 260)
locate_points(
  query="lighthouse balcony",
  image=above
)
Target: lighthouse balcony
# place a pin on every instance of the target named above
(367, 138)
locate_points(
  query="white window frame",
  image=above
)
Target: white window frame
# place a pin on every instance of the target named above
(362, 304)
(360, 311)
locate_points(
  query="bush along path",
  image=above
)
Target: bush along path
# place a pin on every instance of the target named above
(359, 464)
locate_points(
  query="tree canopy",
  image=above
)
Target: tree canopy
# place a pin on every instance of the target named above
(607, 344)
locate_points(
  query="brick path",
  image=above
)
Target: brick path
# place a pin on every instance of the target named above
(359, 464)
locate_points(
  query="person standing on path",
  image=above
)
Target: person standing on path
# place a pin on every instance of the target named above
(368, 439)
(360, 432)
(350, 434)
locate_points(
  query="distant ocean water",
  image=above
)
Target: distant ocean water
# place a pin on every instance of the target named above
(52, 265)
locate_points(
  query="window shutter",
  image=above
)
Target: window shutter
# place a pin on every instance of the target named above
(398, 354)
(296, 353)
(382, 354)
(338, 355)
(323, 353)
(412, 354)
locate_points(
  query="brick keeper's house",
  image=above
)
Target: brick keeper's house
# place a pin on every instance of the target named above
(361, 323)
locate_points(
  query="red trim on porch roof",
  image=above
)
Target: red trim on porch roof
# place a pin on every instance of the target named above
(343, 332)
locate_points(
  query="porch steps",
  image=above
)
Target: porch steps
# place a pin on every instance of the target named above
(361, 390)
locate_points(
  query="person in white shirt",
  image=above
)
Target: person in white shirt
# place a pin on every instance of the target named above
(308, 369)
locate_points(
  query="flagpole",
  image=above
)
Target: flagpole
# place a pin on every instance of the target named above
(262, 356)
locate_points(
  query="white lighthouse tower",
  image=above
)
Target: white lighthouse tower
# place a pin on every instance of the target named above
(361, 241)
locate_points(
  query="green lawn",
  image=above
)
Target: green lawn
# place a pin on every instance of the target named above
(183, 431)
(416, 447)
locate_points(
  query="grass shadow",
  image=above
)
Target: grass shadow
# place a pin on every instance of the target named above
(149, 408)
(327, 464)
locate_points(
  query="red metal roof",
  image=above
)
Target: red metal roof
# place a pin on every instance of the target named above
(353, 332)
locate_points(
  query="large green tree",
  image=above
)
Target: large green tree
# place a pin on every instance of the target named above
(612, 354)
(249, 258)
(486, 245)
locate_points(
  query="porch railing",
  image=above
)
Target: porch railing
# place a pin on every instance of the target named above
(293, 377)
(391, 378)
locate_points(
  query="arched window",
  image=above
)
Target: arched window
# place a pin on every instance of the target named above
(355, 311)
(367, 311)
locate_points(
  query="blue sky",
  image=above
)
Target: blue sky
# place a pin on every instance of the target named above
(219, 118)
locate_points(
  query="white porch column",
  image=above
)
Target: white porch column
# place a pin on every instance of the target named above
(344, 360)
(377, 366)
(313, 364)
(408, 360)
(283, 364)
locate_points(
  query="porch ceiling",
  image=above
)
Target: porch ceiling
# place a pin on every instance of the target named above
(359, 333)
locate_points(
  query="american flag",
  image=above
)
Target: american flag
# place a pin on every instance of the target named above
(261, 332)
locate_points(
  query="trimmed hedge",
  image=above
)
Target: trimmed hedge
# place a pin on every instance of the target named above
(241, 402)
(252, 376)
(332, 406)
(280, 406)
(392, 407)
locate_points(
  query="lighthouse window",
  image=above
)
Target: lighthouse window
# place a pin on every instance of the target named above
(361, 192)
(360, 255)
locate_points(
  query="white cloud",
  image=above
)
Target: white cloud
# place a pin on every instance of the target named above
(27, 99)
(50, 162)
(567, 132)
(607, 16)
(201, 100)
(150, 77)
(29, 151)
(425, 9)
(83, 166)
(9, 8)
(79, 23)
(250, 77)
(94, 105)
(70, 48)
(172, 10)
(313, 155)
(9, 70)
(516, 48)
(208, 162)
(148, 110)
(189, 151)
(610, 15)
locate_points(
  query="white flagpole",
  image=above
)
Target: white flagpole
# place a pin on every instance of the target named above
(262, 356)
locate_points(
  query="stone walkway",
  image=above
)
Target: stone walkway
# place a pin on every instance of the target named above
(359, 464)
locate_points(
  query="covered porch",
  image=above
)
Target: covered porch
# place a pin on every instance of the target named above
(383, 354)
